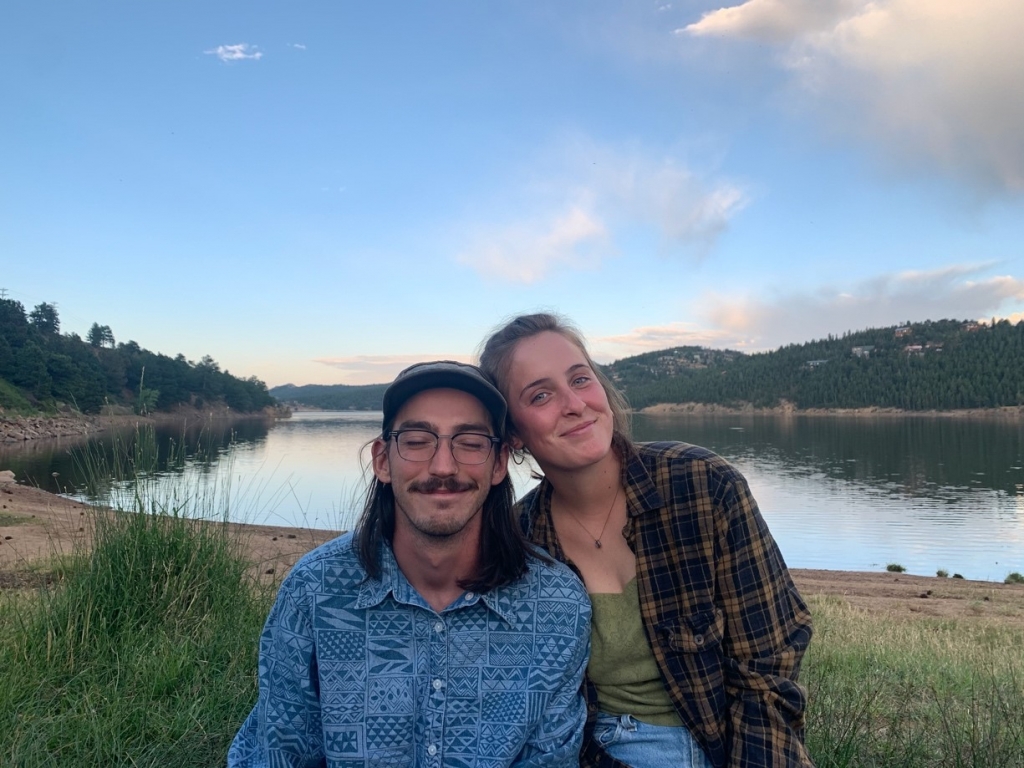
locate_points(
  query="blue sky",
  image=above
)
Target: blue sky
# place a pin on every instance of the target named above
(323, 192)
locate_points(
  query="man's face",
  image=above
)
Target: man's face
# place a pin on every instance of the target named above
(439, 498)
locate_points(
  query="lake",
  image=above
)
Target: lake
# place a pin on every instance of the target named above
(838, 493)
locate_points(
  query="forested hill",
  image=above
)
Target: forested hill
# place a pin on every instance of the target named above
(333, 397)
(41, 368)
(941, 365)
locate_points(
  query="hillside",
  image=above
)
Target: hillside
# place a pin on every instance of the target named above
(931, 365)
(42, 369)
(332, 397)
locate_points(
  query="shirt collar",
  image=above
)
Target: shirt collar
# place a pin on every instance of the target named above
(392, 581)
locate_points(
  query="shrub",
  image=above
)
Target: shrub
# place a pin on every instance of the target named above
(1014, 578)
(895, 568)
(942, 573)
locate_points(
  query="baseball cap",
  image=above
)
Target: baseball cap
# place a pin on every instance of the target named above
(444, 374)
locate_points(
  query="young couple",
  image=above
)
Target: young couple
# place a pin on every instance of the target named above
(448, 629)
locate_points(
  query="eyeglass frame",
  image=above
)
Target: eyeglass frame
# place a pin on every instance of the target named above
(493, 440)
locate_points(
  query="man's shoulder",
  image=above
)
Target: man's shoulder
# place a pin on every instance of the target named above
(336, 559)
(548, 579)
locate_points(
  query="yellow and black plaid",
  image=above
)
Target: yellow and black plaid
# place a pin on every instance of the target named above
(723, 617)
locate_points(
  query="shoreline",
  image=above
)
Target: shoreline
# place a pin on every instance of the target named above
(1003, 413)
(36, 526)
(21, 429)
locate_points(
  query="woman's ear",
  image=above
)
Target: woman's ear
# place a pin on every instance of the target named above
(517, 444)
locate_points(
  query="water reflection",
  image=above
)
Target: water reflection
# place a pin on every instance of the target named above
(860, 493)
(838, 493)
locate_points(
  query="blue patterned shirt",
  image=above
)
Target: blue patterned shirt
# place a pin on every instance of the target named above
(357, 672)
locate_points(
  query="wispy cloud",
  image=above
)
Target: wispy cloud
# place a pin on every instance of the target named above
(236, 52)
(300, 46)
(650, 338)
(932, 86)
(756, 324)
(595, 193)
(378, 369)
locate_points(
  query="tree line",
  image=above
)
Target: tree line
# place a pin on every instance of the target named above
(42, 368)
(932, 365)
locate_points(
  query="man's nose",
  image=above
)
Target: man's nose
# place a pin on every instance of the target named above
(443, 461)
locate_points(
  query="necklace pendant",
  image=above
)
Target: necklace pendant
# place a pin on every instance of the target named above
(597, 543)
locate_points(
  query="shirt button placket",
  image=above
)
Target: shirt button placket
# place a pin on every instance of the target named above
(437, 691)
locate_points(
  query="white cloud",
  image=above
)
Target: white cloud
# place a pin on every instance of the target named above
(300, 46)
(378, 369)
(236, 52)
(526, 251)
(597, 192)
(756, 324)
(955, 292)
(773, 21)
(934, 86)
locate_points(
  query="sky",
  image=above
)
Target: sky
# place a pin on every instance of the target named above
(325, 192)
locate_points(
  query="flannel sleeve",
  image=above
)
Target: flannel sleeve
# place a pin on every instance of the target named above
(767, 630)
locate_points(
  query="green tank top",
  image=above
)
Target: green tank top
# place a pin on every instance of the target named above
(622, 665)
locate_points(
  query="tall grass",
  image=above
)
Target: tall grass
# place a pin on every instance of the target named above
(143, 650)
(921, 693)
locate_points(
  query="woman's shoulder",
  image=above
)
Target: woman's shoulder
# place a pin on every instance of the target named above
(678, 455)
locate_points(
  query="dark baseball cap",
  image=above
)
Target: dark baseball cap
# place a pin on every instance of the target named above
(441, 374)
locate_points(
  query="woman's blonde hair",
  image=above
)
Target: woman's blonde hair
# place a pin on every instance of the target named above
(499, 349)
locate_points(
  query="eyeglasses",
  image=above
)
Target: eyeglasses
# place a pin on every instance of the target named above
(421, 445)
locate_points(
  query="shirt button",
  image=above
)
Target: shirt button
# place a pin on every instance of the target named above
(438, 626)
(437, 685)
(470, 595)
(698, 640)
(432, 750)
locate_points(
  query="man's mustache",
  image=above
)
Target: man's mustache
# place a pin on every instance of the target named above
(434, 484)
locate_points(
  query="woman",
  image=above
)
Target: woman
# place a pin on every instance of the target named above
(698, 630)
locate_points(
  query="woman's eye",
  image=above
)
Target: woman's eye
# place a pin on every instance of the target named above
(579, 381)
(539, 397)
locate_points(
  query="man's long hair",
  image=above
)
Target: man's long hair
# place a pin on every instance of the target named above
(503, 549)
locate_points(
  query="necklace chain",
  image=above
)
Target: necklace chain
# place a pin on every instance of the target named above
(597, 539)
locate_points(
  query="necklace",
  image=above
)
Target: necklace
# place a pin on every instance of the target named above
(597, 539)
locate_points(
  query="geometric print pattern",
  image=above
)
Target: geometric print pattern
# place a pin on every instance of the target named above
(356, 672)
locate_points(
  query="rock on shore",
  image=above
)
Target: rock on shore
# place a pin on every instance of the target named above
(16, 429)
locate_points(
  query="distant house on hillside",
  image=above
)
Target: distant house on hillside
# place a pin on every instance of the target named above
(864, 351)
(815, 363)
(903, 330)
(914, 349)
(972, 327)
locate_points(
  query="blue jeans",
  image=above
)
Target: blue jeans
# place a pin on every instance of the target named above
(648, 746)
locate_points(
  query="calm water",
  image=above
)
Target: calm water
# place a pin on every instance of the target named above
(851, 494)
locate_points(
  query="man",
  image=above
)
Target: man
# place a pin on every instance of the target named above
(433, 635)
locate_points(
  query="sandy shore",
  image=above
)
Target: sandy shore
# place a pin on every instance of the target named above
(35, 525)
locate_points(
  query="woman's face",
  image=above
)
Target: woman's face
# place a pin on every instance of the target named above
(559, 408)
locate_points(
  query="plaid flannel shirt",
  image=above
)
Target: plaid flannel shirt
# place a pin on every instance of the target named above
(725, 622)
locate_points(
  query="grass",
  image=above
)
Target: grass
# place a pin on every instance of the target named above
(919, 693)
(140, 651)
(143, 651)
